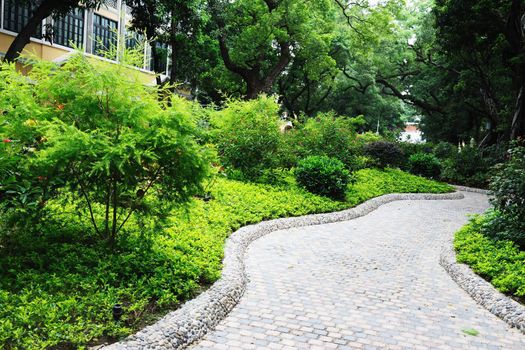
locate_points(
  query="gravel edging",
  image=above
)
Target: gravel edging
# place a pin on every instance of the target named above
(471, 189)
(195, 318)
(483, 292)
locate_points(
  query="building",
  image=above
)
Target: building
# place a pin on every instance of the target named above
(412, 133)
(90, 30)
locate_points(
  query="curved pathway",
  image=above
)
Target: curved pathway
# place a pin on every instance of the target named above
(369, 283)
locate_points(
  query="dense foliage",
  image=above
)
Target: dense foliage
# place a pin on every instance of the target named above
(88, 153)
(325, 135)
(323, 175)
(91, 129)
(508, 189)
(467, 165)
(247, 135)
(425, 164)
(494, 245)
(385, 153)
(499, 261)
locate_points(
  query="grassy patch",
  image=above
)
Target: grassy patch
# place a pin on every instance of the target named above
(500, 262)
(58, 287)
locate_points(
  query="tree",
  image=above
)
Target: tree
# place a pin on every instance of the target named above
(148, 16)
(94, 129)
(259, 39)
(368, 36)
(463, 59)
(181, 25)
(41, 9)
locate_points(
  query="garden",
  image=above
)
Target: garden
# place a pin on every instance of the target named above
(117, 197)
(111, 197)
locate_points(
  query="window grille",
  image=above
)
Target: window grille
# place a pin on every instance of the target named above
(104, 34)
(16, 17)
(133, 39)
(68, 30)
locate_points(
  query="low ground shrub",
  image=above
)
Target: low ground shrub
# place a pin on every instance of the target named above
(385, 154)
(424, 164)
(324, 176)
(372, 183)
(500, 262)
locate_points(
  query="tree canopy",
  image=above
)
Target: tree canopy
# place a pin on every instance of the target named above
(457, 65)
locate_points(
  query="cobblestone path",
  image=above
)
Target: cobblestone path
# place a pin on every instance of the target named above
(371, 283)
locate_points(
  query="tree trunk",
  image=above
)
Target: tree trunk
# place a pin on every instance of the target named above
(156, 61)
(174, 48)
(254, 87)
(518, 122)
(44, 10)
(174, 54)
(490, 106)
(516, 38)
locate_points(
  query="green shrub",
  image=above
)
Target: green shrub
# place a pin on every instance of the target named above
(501, 262)
(324, 176)
(425, 164)
(100, 133)
(325, 135)
(413, 148)
(385, 154)
(467, 167)
(444, 150)
(508, 189)
(247, 135)
(368, 137)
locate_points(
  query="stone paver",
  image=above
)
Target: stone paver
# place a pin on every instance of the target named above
(370, 283)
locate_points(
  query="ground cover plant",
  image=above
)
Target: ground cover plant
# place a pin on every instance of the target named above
(500, 262)
(58, 286)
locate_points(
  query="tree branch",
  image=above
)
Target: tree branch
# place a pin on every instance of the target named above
(409, 98)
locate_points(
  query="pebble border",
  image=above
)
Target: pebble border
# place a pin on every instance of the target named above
(198, 316)
(478, 288)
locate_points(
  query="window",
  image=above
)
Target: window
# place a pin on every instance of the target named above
(104, 34)
(16, 17)
(133, 39)
(68, 30)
